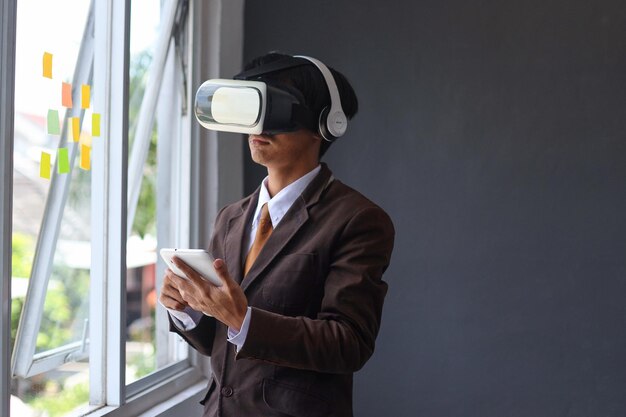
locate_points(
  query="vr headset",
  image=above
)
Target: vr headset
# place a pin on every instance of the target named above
(248, 105)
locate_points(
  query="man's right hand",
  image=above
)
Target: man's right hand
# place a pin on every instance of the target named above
(170, 296)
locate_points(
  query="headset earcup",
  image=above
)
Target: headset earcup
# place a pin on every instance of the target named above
(336, 123)
(323, 125)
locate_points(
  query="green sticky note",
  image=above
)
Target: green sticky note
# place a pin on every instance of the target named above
(53, 122)
(63, 161)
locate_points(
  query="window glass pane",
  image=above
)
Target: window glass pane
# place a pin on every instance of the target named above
(66, 309)
(145, 352)
(54, 27)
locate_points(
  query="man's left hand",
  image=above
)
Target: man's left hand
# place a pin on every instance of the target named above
(227, 303)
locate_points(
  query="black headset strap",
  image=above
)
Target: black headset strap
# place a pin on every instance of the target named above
(281, 64)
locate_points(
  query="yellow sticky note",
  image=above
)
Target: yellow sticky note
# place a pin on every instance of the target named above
(66, 95)
(47, 65)
(85, 92)
(44, 166)
(95, 124)
(75, 129)
(85, 162)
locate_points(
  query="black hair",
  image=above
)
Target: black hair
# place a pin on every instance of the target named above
(310, 82)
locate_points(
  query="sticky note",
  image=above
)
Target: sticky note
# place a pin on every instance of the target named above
(53, 122)
(44, 166)
(85, 152)
(85, 92)
(85, 138)
(63, 161)
(75, 128)
(66, 95)
(95, 124)
(47, 65)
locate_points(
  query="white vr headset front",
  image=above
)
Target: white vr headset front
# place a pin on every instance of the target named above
(256, 107)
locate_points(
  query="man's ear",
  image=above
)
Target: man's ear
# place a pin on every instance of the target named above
(315, 134)
(318, 139)
(319, 142)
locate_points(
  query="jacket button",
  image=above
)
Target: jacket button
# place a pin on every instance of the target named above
(226, 391)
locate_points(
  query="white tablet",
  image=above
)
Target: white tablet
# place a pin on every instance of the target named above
(198, 259)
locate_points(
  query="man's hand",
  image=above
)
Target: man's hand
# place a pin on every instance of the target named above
(227, 303)
(170, 297)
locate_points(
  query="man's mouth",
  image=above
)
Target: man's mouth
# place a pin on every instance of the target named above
(259, 140)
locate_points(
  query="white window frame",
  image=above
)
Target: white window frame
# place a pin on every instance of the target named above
(214, 50)
(8, 9)
(114, 222)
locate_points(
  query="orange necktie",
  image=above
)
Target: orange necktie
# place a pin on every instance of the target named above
(263, 232)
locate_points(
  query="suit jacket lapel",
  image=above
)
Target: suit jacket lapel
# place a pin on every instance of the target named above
(235, 237)
(293, 220)
(288, 226)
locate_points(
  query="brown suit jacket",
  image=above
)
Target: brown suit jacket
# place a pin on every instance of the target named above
(316, 295)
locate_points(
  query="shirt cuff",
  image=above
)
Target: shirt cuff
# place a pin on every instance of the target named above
(238, 339)
(186, 319)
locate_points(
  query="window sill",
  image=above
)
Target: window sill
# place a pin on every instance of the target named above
(158, 399)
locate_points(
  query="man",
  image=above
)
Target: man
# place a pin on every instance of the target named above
(301, 261)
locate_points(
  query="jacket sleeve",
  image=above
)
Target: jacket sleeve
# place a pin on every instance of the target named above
(202, 336)
(341, 338)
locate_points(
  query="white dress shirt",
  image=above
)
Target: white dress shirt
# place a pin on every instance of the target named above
(277, 207)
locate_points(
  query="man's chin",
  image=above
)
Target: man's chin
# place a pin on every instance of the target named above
(258, 157)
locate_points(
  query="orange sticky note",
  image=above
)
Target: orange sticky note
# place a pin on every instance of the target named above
(75, 129)
(47, 65)
(95, 124)
(85, 152)
(66, 95)
(85, 92)
(44, 166)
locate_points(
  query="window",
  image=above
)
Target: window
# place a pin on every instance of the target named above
(92, 124)
(89, 341)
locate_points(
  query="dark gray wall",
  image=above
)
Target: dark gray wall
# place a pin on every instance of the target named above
(493, 132)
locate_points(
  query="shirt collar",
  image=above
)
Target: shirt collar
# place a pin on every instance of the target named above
(282, 202)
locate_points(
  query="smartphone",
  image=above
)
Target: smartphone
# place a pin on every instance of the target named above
(198, 259)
